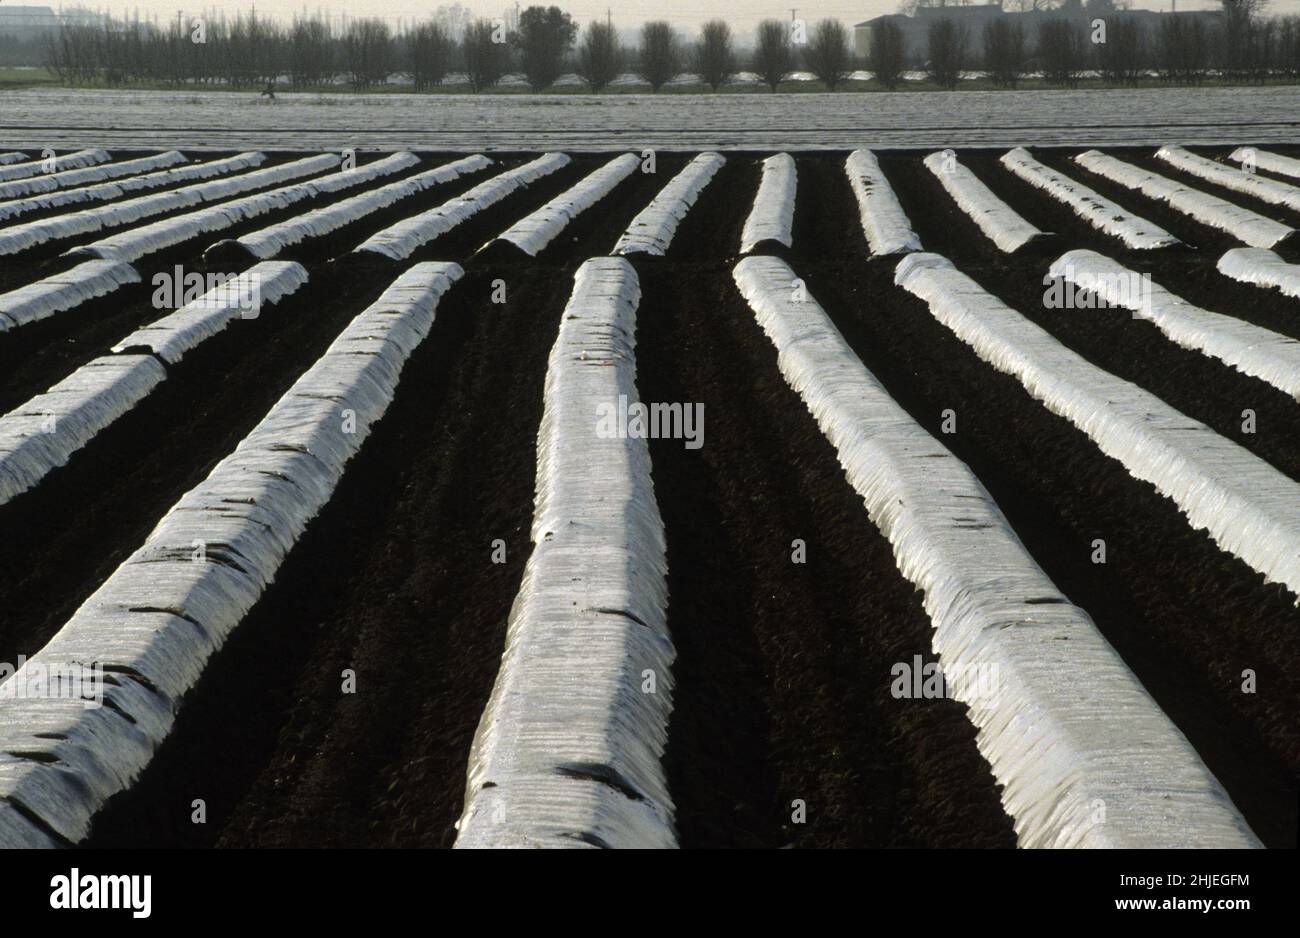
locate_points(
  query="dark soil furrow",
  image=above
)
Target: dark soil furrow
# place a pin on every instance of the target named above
(783, 669)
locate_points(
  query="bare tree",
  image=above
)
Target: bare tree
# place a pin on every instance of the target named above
(1288, 47)
(1238, 21)
(1121, 55)
(1061, 51)
(773, 55)
(428, 53)
(661, 58)
(888, 53)
(947, 48)
(311, 52)
(599, 57)
(485, 58)
(1262, 50)
(715, 60)
(1004, 52)
(544, 38)
(827, 56)
(1182, 50)
(367, 52)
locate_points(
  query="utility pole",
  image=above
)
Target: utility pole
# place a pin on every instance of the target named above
(793, 11)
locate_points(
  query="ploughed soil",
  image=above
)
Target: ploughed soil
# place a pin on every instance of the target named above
(786, 606)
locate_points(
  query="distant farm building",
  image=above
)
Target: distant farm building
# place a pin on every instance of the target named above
(916, 27)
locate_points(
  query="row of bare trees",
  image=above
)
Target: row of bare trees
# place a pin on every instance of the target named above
(1182, 50)
(247, 51)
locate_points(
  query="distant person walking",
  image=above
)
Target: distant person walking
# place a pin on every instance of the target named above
(269, 91)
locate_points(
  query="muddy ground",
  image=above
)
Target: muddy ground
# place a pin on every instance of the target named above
(783, 668)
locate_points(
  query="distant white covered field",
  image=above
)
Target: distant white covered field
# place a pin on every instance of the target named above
(197, 120)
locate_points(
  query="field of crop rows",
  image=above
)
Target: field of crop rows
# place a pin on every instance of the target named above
(214, 120)
(375, 545)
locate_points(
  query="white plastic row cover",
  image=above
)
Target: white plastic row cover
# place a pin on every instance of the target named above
(568, 750)
(1092, 207)
(1250, 508)
(884, 222)
(772, 216)
(48, 182)
(1238, 180)
(13, 156)
(1000, 223)
(63, 291)
(651, 232)
(1269, 356)
(20, 237)
(156, 620)
(120, 187)
(270, 241)
(1084, 756)
(1243, 224)
(1272, 162)
(42, 434)
(1262, 268)
(139, 242)
(178, 332)
(67, 161)
(399, 241)
(533, 232)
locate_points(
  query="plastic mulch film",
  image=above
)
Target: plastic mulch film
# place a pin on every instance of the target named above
(1246, 226)
(568, 750)
(651, 232)
(884, 222)
(155, 621)
(1084, 756)
(1250, 508)
(772, 217)
(1097, 210)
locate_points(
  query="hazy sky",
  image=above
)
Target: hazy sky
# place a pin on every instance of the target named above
(685, 14)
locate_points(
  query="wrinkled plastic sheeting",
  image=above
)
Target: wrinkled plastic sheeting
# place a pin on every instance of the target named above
(568, 749)
(270, 241)
(1272, 162)
(177, 333)
(156, 620)
(1267, 190)
(1269, 356)
(16, 831)
(1065, 726)
(1000, 223)
(139, 242)
(1261, 267)
(651, 232)
(1094, 208)
(63, 291)
(120, 187)
(20, 237)
(67, 161)
(772, 215)
(399, 241)
(42, 434)
(532, 233)
(1250, 509)
(48, 182)
(1243, 224)
(884, 222)
(14, 156)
